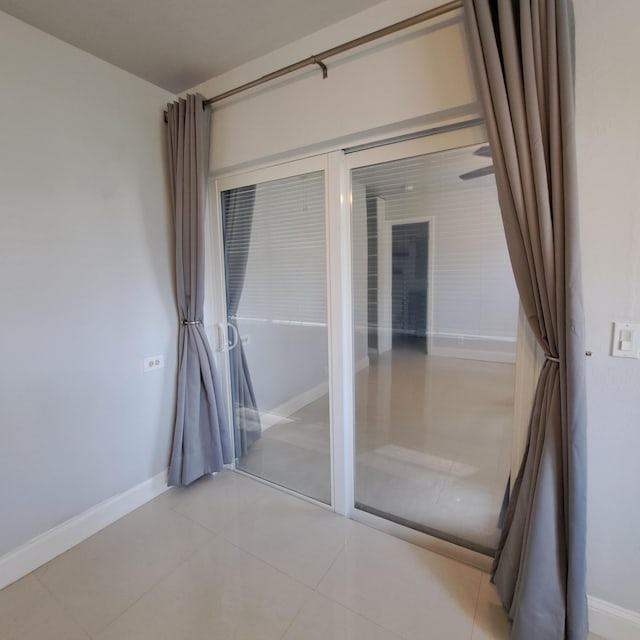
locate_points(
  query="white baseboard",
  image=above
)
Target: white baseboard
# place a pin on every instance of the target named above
(292, 405)
(284, 410)
(474, 354)
(612, 622)
(472, 347)
(38, 551)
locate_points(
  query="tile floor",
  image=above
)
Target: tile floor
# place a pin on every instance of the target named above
(232, 559)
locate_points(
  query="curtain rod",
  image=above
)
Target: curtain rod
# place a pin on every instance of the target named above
(319, 58)
(334, 51)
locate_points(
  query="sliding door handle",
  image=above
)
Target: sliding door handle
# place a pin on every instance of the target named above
(233, 330)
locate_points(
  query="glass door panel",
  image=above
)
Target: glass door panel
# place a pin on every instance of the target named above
(435, 312)
(274, 238)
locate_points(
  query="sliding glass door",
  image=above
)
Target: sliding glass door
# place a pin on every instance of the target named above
(435, 323)
(274, 243)
(366, 320)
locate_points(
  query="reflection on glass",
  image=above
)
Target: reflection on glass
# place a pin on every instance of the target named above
(275, 248)
(435, 312)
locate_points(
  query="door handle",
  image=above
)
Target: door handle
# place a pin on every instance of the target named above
(234, 336)
(221, 338)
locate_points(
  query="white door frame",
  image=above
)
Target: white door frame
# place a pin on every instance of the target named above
(217, 303)
(337, 167)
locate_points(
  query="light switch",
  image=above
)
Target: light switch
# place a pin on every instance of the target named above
(626, 340)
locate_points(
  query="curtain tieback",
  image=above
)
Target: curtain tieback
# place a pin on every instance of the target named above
(552, 358)
(190, 323)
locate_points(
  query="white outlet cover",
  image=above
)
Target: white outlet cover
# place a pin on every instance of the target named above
(151, 363)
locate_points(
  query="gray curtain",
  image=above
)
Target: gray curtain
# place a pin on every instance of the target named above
(523, 57)
(201, 442)
(237, 207)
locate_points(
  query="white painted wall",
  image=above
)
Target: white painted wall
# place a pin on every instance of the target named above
(400, 87)
(365, 91)
(608, 128)
(85, 277)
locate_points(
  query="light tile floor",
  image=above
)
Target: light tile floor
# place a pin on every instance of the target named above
(232, 559)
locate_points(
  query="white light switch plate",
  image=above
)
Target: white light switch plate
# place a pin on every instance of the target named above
(151, 363)
(626, 340)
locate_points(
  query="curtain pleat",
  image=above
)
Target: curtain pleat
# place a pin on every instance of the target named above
(522, 52)
(238, 207)
(201, 442)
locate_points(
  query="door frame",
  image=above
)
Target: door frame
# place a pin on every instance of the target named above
(385, 266)
(337, 166)
(216, 305)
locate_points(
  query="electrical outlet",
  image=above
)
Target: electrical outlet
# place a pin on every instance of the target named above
(245, 340)
(151, 363)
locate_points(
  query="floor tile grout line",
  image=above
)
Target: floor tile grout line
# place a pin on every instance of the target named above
(158, 581)
(297, 615)
(249, 504)
(92, 635)
(477, 605)
(341, 604)
(60, 604)
(204, 526)
(268, 564)
(335, 559)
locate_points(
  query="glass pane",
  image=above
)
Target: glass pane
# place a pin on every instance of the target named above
(435, 309)
(275, 258)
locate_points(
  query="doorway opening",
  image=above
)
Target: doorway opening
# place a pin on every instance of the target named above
(409, 278)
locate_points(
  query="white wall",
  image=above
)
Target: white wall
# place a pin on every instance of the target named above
(418, 77)
(85, 277)
(364, 91)
(608, 128)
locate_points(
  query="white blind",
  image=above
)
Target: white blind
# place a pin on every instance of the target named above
(473, 290)
(286, 276)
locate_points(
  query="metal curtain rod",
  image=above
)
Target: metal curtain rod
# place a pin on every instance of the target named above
(334, 51)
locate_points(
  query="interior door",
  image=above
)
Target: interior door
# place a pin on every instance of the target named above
(272, 317)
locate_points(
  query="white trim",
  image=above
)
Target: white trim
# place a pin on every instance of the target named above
(292, 405)
(473, 347)
(474, 354)
(611, 621)
(341, 343)
(43, 548)
(278, 171)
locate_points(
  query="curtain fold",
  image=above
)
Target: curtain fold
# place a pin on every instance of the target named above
(238, 207)
(522, 53)
(201, 442)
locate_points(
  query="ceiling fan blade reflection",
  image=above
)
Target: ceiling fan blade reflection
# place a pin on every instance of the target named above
(477, 173)
(483, 152)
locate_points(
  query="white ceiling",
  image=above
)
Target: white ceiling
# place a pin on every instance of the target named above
(410, 178)
(176, 44)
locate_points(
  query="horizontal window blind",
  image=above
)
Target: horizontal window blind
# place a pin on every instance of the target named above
(473, 289)
(280, 232)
